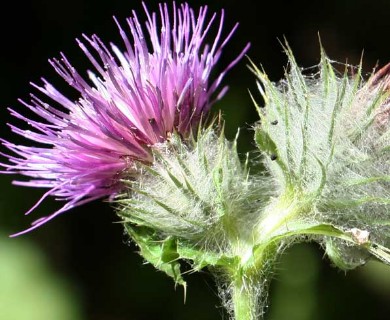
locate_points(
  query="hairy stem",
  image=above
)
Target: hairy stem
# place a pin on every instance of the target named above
(245, 300)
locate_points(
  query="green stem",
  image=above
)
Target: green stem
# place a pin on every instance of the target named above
(249, 283)
(245, 301)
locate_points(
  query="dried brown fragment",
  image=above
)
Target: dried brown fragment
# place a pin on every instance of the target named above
(361, 237)
(381, 79)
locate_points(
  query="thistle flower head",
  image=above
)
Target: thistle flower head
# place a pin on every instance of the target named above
(134, 98)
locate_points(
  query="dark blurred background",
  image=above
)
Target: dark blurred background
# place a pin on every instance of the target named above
(80, 266)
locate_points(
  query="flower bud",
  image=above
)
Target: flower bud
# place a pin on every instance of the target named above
(325, 139)
(196, 194)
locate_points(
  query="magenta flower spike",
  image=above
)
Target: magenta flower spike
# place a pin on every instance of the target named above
(133, 99)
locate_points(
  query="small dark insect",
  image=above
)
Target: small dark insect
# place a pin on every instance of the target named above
(274, 123)
(273, 157)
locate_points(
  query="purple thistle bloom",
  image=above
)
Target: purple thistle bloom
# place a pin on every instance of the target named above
(135, 100)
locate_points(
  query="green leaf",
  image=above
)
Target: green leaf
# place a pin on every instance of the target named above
(162, 254)
(169, 250)
(381, 252)
(202, 258)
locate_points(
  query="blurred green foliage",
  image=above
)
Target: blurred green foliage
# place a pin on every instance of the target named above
(29, 289)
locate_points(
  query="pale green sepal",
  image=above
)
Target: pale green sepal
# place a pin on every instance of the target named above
(344, 256)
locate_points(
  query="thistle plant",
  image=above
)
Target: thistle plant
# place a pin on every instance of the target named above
(140, 135)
